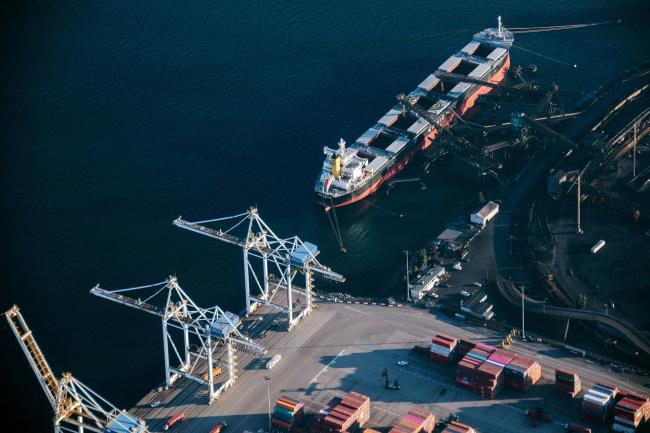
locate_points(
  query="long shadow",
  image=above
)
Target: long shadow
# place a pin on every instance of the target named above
(235, 423)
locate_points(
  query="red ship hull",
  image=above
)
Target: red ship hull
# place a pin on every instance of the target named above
(426, 142)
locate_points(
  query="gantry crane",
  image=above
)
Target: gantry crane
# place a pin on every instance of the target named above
(208, 329)
(290, 256)
(77, 408)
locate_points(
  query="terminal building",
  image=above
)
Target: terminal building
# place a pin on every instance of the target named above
(426, 282)
(485, 214)
(477, 304)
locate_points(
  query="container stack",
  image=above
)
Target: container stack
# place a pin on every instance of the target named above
(489, 380)
(479, 354)
(286, 412)
(598, 402)
(443, 348)
(567, 383)
(630, 411)
(521, 373)
(415, 421)
(501, 357)
(456, 427)
(340, 415)
(486, 347)
(466, 371)
(464, 346)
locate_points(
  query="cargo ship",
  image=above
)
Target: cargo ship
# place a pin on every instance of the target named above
(350, 173)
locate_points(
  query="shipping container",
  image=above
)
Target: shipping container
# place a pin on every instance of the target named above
(174, 420)
(276, 358)
(598, 246)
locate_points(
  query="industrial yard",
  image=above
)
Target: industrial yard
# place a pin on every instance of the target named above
(557, 242)
(342, 348)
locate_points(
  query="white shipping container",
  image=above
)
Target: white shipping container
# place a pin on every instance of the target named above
(599, 245)
(273, 361)
(440, 350)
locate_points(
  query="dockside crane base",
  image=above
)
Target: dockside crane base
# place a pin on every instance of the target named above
(77, 408)
(205, 331)
(289, 256)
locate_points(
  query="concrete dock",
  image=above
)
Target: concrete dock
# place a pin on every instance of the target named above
(341, 347)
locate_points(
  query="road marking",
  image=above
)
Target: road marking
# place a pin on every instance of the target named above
(326, 367)
(356, 310)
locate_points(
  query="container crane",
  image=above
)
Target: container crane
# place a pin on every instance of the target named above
(77, 408)
(206, 328)
(289, 256)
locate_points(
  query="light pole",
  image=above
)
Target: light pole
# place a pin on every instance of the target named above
(579, 228)
(268, 395)
(523, 328)
(634, 151)
(408, 285)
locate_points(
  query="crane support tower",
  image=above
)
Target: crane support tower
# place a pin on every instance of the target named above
(207, 333)
(288, 256)
(77, 408)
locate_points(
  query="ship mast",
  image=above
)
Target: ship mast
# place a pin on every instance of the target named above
(500, 26)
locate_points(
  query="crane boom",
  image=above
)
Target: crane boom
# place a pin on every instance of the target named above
(260, 247)
(34, 355)
(129, 302)
(537, 124)
(463, 151)
(216, 234)
(465, 79)
(407, 104)
(76, 407)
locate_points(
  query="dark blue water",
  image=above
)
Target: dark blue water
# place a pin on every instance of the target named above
(119, 116)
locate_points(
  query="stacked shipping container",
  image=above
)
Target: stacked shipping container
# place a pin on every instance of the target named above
(466, 371)
(489, 380)
(521, 373)
(286, 412)
(415, 421)
(456, 427)
(567, 383)
(342, 414)
(479, 354)
(443, 348)
(598, 402)
(485, 347)
(464, 346)
(501, 357)
(485, 370)
(630, 411)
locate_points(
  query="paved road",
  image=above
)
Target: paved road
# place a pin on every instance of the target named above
(625, 328)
